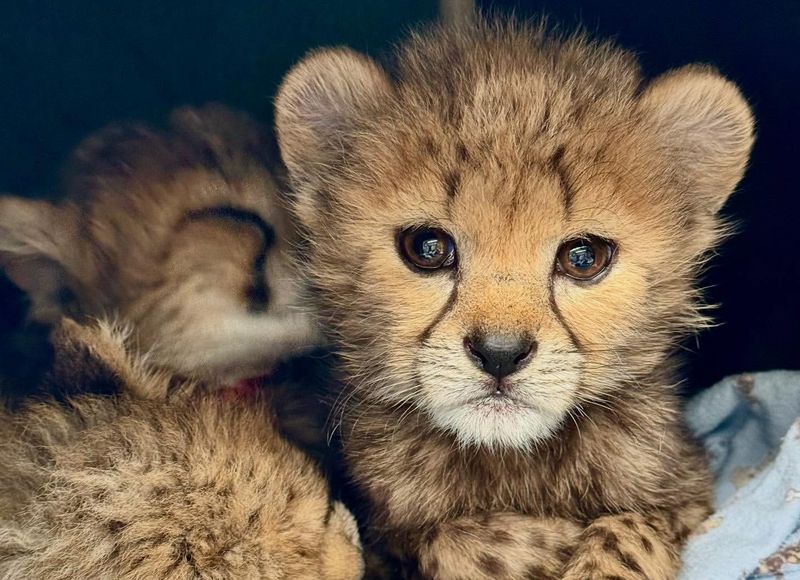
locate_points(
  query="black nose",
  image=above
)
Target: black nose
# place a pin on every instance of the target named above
(500, 354)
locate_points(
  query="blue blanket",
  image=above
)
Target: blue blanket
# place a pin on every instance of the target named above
(750, 425)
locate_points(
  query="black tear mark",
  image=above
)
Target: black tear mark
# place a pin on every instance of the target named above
(258, 292)
(560, 317)
(448, 306)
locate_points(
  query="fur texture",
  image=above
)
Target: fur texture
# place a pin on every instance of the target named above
(181, 233)
(192, 488)
(514, 141)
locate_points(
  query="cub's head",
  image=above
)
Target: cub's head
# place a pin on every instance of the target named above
(181, 233)
(505, 226)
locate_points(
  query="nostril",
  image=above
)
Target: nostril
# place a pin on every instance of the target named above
(474, 352)
(526, 355)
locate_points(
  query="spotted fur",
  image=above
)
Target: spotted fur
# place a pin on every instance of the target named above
(182, 233)
(513, 140)
(190, 488)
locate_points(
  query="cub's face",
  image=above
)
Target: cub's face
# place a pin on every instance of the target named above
(181, 233)
(500, 241)
(223, 304)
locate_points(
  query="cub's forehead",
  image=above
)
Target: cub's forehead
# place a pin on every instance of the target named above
(506, 117)
(169, 198)
(509, 170)
(512, 76)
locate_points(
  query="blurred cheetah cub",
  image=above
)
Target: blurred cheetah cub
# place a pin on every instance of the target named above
(505, 231)
(124, 487)
(179, 232)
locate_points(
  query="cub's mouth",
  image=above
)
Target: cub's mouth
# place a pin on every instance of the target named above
(498, 402)
(501, 396)
(245, 389)
(506, 417)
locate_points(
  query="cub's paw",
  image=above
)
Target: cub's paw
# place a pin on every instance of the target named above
(623, 547)
(500, 545)
(342, 558)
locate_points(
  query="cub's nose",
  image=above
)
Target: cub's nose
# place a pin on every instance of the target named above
(500, 354)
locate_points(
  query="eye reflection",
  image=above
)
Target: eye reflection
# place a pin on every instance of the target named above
(584, 258)
(427, 248)
(581, 257)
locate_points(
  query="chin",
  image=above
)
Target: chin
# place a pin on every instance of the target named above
(497, 423)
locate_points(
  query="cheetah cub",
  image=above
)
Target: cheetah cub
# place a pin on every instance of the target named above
(505, 227)
(179, 232)
(191, 488)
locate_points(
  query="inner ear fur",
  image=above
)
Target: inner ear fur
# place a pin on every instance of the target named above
(315, 108)
(39, 252)
(706, 125)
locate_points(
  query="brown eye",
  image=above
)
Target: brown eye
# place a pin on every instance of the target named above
(427, 248)
(584, 258)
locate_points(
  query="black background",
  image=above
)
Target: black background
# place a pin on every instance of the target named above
(68, 68)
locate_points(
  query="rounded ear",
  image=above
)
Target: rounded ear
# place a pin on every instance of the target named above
(705, 123)
(39, 252)
(316, 106)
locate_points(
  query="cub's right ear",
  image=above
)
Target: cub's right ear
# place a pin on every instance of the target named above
(316, 109)
(38, 245)
(705, 124)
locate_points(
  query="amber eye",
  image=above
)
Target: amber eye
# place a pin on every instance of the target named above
(584, 258)
(427, 248)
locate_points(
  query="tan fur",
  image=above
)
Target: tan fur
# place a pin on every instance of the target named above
(128, 488)
(183, 234)
(514, 141)
(146, 233)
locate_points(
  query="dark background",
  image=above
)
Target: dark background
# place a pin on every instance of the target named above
(67, 68)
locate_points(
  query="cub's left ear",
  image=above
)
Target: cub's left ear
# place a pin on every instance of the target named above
(41, 252)
(317, 107)
(98, 358)
(706, 124)
(318, 103)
